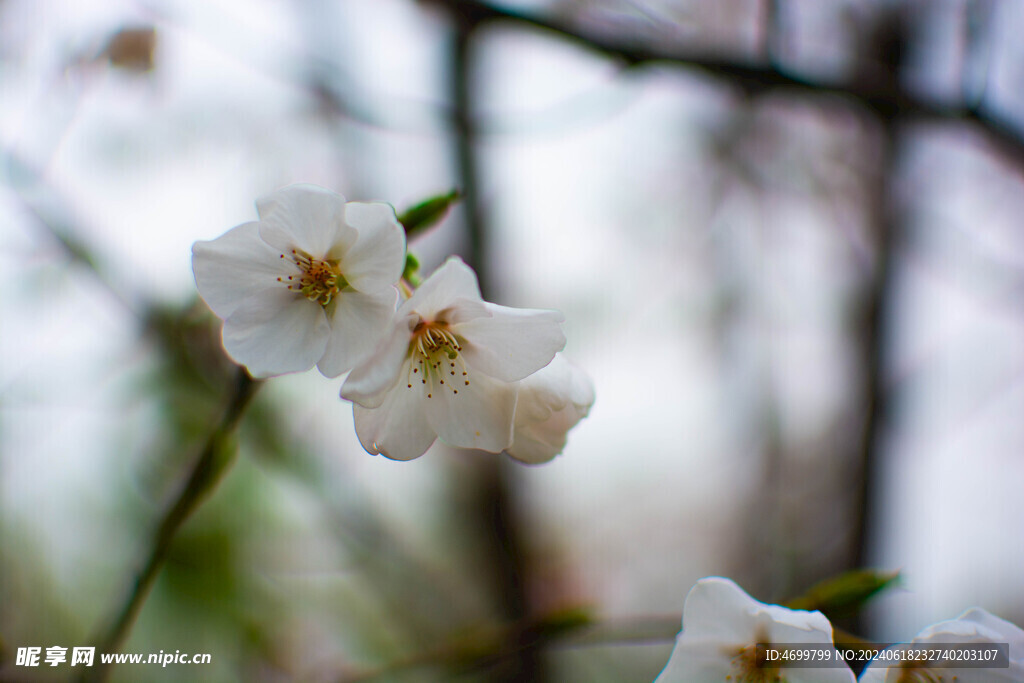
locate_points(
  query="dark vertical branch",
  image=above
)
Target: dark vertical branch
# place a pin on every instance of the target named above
(874, 335)
(492, 502)
(977, 60)
(874, 339)
(772, 46)
(465, 139)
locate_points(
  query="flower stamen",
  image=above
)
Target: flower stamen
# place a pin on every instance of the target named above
(748, 666)
(917, 672)
(320, 280)
(435, 351)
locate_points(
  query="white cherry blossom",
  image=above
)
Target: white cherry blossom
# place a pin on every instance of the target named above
(550, 403)
(310, 283)
(449, 368)
(722, 626)
(973, 626)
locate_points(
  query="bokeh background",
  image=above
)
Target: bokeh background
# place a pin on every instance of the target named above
(786, 236)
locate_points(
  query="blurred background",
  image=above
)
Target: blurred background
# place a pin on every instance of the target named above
(786, 236)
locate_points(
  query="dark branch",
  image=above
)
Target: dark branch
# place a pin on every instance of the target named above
(881, 95)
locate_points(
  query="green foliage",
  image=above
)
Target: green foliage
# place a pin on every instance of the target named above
(562, 622)
(427, 213)
(412, 264)
(844, 595)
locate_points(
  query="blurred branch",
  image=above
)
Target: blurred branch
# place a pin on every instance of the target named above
(214, 460)
(568, 628)
(872, 90)
(574, 628)
(465, 141)
(872, 333)
(977, 62)
(53, 217)
(772, 37)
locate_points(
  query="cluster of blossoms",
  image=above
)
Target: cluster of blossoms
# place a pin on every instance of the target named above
(723, 627)
(319, 281)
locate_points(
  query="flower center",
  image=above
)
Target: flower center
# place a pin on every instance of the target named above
(917, 672)
(318, 280)
(436, 359)
(748, 666)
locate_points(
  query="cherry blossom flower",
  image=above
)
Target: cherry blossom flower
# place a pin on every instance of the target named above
(310, 283)
(449, 368)
(551, 401)
(722, 626)
(975, 626)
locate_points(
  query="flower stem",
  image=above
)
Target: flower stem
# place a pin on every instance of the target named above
(211, 465)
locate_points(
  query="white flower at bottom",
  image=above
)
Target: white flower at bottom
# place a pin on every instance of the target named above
(974, 626)
(449, 368)
(722, 626)
(551, 401)
(310, 283)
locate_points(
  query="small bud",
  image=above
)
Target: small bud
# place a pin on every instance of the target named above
(427, 213)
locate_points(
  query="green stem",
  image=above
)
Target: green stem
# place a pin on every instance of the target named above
(216, 457)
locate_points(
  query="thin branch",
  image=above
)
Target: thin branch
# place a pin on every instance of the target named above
(215, 459)
(876, 94)
(475, 652)
(52, 215)
(465, 141)
(976, 65)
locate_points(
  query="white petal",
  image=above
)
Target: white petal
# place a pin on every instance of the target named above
(556, 386)
(551, 402)
(973, 626)
(454, 280)
(463, 310)
(368, 381)
(276, 331)
(376, 260)
(717, 609)
(398, 429)
(880, 671)
(513, 342)
(719, 619)
(234, 266)
(479, 416)
(835, 674)
(696, 663)
(306, 217)
(358, 324)
(985, 625)
(537, 446)
(540, 442)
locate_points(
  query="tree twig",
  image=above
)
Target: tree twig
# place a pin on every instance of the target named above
(872, 91)
(211, 465)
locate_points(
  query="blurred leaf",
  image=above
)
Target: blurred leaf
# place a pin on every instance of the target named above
(412, 264)
(562, 622)
(845, 594)
(844, 638)
(427, 213)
